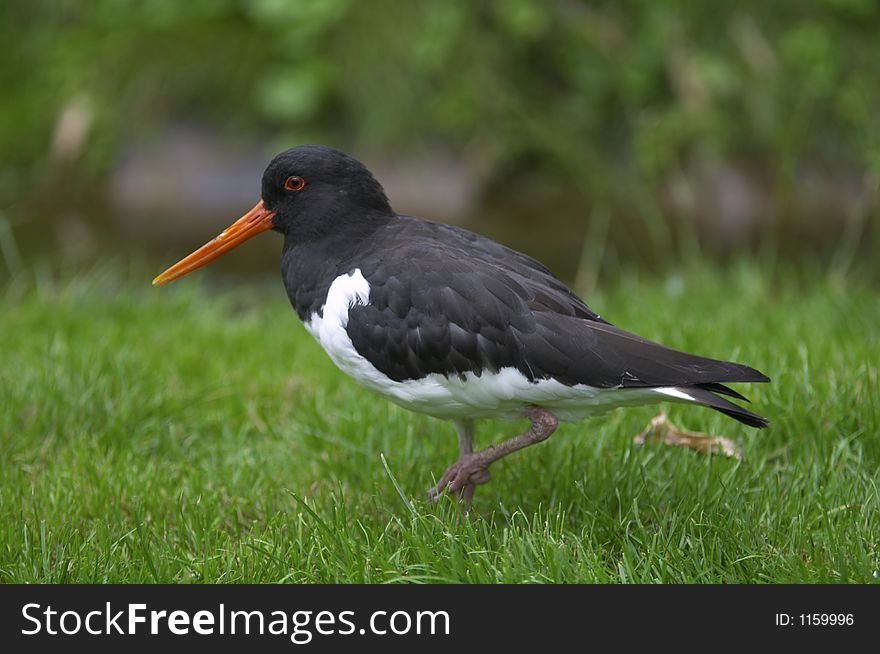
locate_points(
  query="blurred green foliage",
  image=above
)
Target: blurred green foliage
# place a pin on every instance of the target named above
(609, 99)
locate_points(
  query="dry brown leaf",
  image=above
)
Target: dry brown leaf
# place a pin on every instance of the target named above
(660, 428)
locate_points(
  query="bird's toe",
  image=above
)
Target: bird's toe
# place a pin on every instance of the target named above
(461, 478)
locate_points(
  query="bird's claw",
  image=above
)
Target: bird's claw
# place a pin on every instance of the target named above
(462, 479)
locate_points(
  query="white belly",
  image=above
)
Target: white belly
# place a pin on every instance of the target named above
(504, 394)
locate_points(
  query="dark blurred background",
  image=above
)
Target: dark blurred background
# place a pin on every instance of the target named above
(594, 135)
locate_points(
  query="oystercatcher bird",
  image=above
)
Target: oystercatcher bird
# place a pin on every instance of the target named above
(449, 323)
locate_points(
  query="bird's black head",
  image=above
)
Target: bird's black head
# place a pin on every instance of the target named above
(314, 190)
(310, 193)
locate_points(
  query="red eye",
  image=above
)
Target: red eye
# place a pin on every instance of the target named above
(294, 183)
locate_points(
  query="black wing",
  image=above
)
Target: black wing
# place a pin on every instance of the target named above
(451, 302)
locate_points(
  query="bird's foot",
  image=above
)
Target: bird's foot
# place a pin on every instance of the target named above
(472, 468)
(662, 429)
(462, 478)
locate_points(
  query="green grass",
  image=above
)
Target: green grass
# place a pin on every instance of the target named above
(183, 435)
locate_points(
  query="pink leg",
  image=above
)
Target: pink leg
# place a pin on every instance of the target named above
(472, 468)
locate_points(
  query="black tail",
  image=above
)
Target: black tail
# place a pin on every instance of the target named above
(601, 355)
(705, 395)
(721, 389)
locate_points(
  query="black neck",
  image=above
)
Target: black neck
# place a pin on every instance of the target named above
(313, 257)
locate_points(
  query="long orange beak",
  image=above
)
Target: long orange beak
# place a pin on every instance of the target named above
(257, 220)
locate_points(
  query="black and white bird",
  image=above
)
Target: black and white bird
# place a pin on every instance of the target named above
(449, 323)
